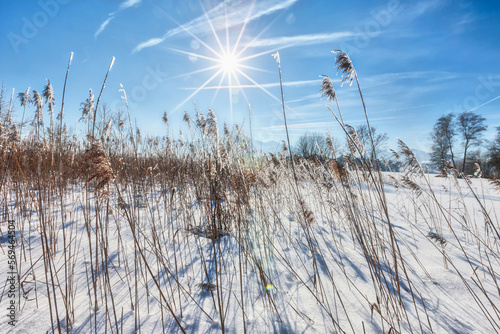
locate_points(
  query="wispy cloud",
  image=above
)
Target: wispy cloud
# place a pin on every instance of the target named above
(287, 41)
(304, 98)
(129, 3)
(124, 5)
(432, 76)
(233, 12)
(463, 23)
(295, 126)
(149, 43)
(103, 26)
(268, 85)
(413, 11)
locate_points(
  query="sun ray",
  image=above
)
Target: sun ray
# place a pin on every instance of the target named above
(218, 87)
(258, 85)
(226, 56)
(266, 91)
(230, 96)
(186, 30)
(247, 19)
(189, 53)
(256, 37)
(212, 27)
(221, 87)
(227, 30)
(254, 68)
(242, 90)
(197, 90)
(195, 72)
(255, 55)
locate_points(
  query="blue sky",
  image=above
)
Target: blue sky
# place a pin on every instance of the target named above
(416, 60)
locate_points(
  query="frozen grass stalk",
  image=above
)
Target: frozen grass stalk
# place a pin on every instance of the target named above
(100, 93)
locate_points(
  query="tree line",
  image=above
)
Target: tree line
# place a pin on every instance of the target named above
(453, 138)
(322, 146)
(456, 139)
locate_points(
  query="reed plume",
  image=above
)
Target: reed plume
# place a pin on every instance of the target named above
(48, 95)
(24, 99)
(164, 118)
(344, 65)
(213, 126)
(88, 106)
(327, 89)
(97, 167)
(187, 119)
(38, 121)
(14, 136)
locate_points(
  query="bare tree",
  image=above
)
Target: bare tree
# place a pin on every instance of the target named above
(494, 152)
(471, 127)
(379, 140)
(313, 145)
(442, 137)
(449, 131)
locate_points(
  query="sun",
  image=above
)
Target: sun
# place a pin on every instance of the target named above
(228, 56)
(229, 63)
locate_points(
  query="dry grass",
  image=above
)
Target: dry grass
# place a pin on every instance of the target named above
(147, 220)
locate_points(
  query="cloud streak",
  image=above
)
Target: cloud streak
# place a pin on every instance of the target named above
(268, 85)
(129, 3)
(103, 26)
(288, 41)
(320, 124)
(232, 12)
(124, 5)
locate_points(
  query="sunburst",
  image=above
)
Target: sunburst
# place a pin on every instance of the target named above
(227, 62)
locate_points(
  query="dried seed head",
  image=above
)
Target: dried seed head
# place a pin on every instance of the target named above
(329, 143)
(165, 118)
(48, 94)
(38, 102)
(411, 185)
(187, 119)
(88, 106)
(213, 126)
(14, 135)
(327, 89)
(25, 97)
(97, 167)
(344, 65)
(107, 129)
(201, 121)
(411, 163)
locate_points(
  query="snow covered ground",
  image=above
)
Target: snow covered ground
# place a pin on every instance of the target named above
(421, 256)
